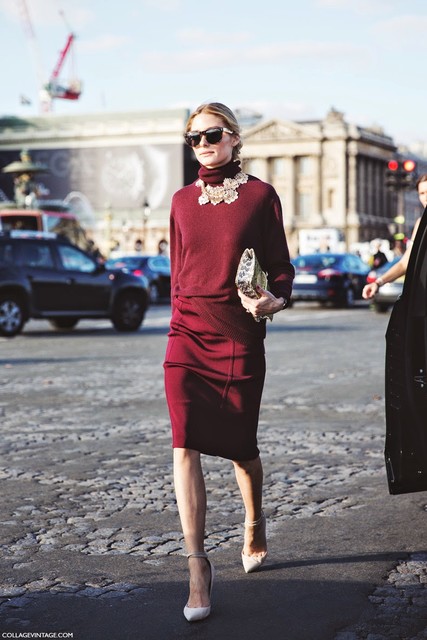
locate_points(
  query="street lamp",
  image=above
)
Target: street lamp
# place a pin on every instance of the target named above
(146, 212)
(108, 221)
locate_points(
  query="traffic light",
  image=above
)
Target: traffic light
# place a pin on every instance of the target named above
(409, 173)
(401, 174)
(392, 176)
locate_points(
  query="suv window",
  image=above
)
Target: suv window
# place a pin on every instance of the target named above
(6, 253)
(74, 260)
(36, 255)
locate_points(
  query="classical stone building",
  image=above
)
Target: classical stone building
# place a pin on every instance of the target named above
(330, 175)
(119, 171)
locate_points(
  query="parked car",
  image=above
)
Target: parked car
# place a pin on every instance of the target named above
(43, 275)
(338, 278)
(386, 295)
(157, 270)
(406, 377)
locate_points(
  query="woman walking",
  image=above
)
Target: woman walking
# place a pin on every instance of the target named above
(215, 362)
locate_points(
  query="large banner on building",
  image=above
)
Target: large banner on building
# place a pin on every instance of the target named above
(117, 178)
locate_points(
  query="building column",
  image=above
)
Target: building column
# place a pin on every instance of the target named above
(352, 218)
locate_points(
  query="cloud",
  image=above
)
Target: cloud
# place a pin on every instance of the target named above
(163, 5)
(46, 13)
(105, 42)
(361, 6)
(263, 54)
(205, 37)
(285, 110)
(403, 29)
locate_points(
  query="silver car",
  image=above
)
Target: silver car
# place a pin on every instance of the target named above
(389, 292)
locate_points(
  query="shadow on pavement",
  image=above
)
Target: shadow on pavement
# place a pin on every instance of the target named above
(284, 601)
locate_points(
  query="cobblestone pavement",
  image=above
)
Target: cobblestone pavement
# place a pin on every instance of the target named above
(85, 457)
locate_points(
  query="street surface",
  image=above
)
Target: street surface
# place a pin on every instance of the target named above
(90, 536)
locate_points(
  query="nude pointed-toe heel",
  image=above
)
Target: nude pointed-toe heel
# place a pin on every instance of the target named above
(194, 614)
(253, 563)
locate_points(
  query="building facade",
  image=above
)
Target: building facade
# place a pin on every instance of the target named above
(329, 174)
(119, 172)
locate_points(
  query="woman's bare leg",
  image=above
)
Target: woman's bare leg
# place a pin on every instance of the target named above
(249, 476)
(191, 498)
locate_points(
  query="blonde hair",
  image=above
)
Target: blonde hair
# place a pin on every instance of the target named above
(227, 116)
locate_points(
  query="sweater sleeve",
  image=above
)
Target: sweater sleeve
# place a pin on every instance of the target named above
(175, 247)
(277, 261)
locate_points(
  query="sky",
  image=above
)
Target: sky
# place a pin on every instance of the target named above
(285, 59)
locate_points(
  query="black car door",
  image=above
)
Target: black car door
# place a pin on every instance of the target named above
(406, 377)
(38, 266)
(88, 285)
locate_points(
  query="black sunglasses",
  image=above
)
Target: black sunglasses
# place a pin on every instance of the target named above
(212, 135)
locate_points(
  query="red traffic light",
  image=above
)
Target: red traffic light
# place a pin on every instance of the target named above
(393, 165)
(409, 165)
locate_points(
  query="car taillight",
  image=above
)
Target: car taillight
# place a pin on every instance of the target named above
(325, 274)
(138, 272)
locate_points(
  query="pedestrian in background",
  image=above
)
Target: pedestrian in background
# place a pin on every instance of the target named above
(379, 257)
(215, 361)
(399, 269)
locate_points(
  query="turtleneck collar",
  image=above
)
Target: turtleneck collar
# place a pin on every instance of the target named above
(218, 174)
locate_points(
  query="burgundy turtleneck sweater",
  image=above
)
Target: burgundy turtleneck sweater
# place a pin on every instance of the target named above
(207, 241)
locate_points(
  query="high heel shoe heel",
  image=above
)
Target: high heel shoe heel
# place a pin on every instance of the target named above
(253, 563)
(193, 614)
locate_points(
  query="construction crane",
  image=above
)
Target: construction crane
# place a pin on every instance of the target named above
(54, 88)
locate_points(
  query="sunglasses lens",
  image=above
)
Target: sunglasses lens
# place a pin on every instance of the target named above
(213, 136)
(193, 139)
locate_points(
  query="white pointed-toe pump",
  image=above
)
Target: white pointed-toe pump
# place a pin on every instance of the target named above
(253, 563)
(193, 614)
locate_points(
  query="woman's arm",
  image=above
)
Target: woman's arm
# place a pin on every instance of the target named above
(396, 271)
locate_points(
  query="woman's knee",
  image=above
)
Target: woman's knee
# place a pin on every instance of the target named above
(186, 456)
(248, 465)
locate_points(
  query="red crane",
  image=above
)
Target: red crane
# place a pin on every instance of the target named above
(55, 89)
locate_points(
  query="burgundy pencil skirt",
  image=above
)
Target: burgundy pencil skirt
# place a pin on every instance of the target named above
(213, 387)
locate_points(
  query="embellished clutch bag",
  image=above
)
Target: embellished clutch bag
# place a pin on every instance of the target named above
(249, 275)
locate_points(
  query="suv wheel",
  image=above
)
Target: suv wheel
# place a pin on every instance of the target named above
(129, 312)
(380, 308)
(63, 323)
(12, 316)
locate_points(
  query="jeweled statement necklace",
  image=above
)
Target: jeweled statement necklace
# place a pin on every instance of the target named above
(225, 192)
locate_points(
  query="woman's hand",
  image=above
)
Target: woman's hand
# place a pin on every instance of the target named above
(369, 290)
(265, 305)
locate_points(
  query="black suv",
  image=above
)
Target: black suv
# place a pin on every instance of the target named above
(44, 276)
